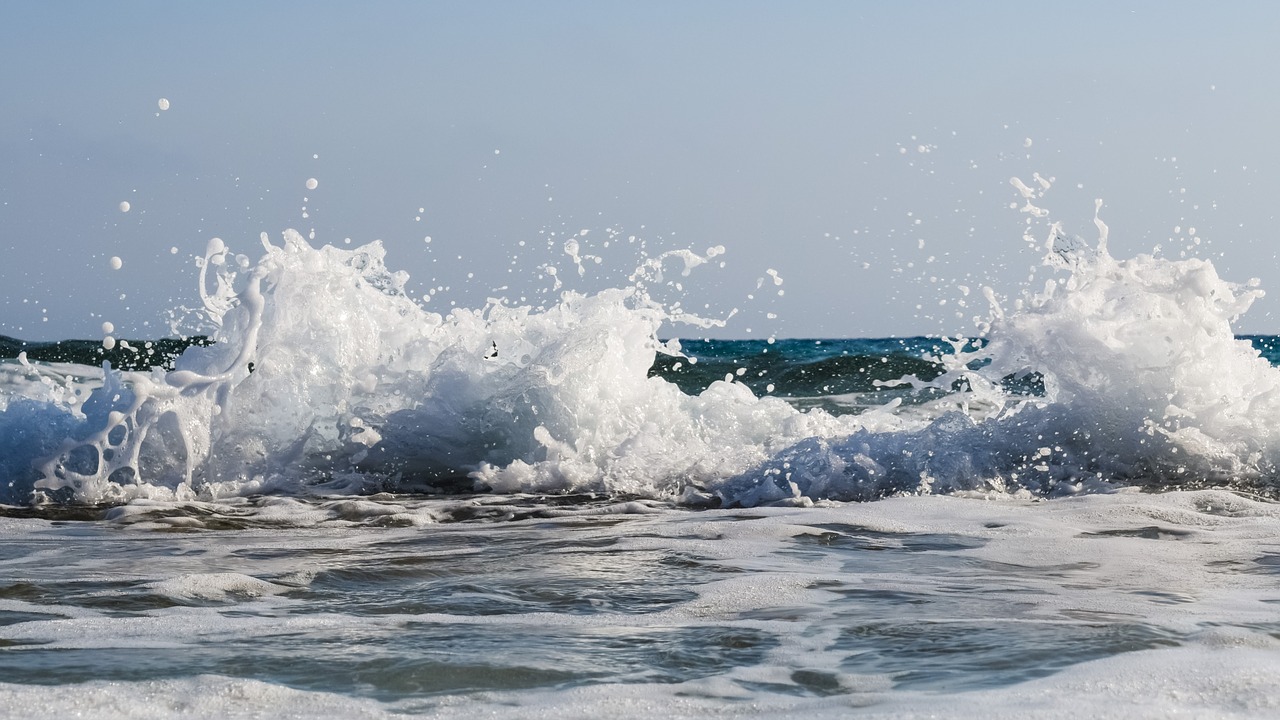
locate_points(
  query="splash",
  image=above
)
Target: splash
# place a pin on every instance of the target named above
(1138, 377)
(326, 377)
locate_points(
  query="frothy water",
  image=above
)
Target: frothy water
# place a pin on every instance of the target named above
(337, 499)
(324, 376)
(906, 607)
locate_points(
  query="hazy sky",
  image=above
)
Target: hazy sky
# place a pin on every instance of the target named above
(842, 144)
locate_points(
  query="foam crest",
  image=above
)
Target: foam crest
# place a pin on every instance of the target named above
(1117, 370)
(325, 376)
(301, 339)
(1142, 371)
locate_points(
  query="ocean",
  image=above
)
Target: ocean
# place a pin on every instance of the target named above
(330, 501)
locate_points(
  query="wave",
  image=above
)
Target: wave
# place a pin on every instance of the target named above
(324, 377)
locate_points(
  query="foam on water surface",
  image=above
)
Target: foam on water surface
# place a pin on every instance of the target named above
(1225, 683)
(1124, 604)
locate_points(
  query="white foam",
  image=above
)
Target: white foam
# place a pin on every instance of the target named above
(1143, 379)
(204, 696)
(1155, 684)
(324, 369)
(216, 587)
(1158, 684)
(1073, 558)
(1183, 564)
(568, 405)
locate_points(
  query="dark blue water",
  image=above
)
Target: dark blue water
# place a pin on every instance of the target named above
(809, 368)
(791, 368)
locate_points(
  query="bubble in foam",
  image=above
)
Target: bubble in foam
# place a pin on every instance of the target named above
(124, 206)
(116, 262)
(163, 104)
(312, 183)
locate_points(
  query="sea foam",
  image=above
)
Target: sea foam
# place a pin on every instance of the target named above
(1142, 381)
(325, 376)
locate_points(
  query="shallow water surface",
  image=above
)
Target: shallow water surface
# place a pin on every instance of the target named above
(872, 603)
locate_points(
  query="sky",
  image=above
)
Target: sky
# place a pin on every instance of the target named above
(862, 151)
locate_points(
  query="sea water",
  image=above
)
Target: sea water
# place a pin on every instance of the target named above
(334, 502)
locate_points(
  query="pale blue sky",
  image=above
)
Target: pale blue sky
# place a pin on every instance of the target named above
(774, 129)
